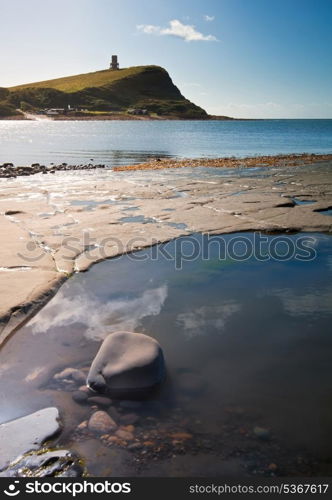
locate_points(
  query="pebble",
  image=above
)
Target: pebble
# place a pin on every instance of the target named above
(101, 423)
(125, 435)
(134, 446)
(79, 377)
(115, 414)
(67, 372)
(100, 401)
(79, 397)
(83, 425)
(181, 436)
(70, 373)
(129, 428)
(129, 418)
(85, 388)
(148, 443)
(114, 440)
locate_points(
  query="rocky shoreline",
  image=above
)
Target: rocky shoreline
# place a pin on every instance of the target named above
(10, 171)
(288, 160)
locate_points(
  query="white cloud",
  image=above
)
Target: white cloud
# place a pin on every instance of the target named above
(185, 31)
(209, 18)
(149, 29)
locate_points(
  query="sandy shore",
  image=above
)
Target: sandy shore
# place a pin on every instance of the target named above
(58, 224)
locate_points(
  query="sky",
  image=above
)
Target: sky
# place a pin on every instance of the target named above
(241, 58)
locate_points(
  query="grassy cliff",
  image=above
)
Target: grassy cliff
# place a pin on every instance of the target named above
(148, 87)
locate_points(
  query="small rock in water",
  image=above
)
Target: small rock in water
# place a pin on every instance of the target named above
(262, 433)
(85, 388)
(83, 425)
(125, 435)
(100, 401)
(58, 463)
(181, 436)
(101, 423)
(114, 440)
(28, 433)
(129, 428)
(70, 373)
(80, 397)
(114, 413)
(79, 377)
(134, 446)
(127, 364)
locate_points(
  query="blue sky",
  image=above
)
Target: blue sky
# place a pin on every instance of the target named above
(243, 58)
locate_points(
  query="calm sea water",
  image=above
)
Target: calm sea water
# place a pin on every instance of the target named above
(128, 142)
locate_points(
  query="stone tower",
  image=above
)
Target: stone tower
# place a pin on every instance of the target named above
(114, 63)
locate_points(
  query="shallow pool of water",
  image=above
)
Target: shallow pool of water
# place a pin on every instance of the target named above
(247, 343)
(327, 211)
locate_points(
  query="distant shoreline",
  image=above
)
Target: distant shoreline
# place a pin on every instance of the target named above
(125, 117)
(281, 160)
(118, 117)
(8, 170)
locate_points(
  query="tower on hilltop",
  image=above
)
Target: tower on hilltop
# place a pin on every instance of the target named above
(114, 63)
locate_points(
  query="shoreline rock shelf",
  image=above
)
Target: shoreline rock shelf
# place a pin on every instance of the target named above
(127, 364)
(9, 170)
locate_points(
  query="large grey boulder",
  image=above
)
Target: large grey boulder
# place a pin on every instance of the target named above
(25, 434)
(127, 364)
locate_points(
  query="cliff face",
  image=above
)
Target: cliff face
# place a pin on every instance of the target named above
(148, 87)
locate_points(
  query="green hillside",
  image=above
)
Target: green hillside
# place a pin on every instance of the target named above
(141, 87)
(79, 82)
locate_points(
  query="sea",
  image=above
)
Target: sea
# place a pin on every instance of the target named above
(129, 142)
